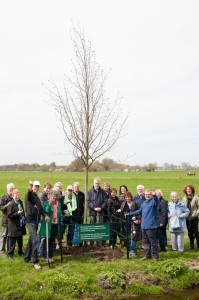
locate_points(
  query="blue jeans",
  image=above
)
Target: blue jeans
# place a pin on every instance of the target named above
(32, 246)
(132, 245)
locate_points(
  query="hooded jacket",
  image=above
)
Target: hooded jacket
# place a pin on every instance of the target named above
(181, 211)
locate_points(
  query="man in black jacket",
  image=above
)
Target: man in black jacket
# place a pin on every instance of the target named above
(97, 203)
(162, 220)
(33, 209)
(4, 203)
(80, 198)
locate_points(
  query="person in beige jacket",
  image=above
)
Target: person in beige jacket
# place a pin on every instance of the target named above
(192, 203)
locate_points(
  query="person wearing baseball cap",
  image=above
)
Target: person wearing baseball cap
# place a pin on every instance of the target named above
(34, 210)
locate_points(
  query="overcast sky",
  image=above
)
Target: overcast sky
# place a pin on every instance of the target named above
(152, 48)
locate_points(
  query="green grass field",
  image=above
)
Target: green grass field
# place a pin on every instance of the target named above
(167, 181)
(81, 277)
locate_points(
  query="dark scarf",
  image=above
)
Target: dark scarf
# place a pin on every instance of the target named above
(189, 198)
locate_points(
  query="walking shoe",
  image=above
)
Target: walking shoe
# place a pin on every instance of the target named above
(155, 259)
(145, 258)
(27, 260)
(37, 266)
(132, 253)
(50, 260)
(191, 247)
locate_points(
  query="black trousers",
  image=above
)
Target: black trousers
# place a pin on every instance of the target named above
(150, 239)
(192, 227)
(162, 237)
(11, 245)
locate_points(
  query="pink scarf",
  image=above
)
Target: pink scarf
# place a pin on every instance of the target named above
(55, 205)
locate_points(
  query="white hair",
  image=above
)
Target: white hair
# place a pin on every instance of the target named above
(96, 179)
(76, 183)
(140, 186)
(10, 186)
(173, 194)
(58, 183)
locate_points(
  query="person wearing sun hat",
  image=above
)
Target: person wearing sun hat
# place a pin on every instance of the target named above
(33, 210)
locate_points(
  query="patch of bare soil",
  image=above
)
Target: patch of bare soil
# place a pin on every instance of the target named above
(103, 253)
(193, 265)
(142, 276)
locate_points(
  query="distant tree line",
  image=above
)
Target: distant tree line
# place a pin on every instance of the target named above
(106, 164)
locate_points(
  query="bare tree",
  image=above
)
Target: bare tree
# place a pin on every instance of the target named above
(91, 124)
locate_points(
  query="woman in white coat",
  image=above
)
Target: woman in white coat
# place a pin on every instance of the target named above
(178, 212)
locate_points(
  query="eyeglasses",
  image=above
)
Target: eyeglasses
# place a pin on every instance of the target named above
(147, 194)
(70, 190)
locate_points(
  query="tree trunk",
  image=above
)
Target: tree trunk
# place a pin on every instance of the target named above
(86, 195)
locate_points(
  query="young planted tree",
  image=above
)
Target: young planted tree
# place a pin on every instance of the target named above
(91, 123)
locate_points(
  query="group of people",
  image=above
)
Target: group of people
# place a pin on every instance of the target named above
(143, 217)
(45, 217)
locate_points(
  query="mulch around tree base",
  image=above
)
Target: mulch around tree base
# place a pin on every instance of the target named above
(101, 252)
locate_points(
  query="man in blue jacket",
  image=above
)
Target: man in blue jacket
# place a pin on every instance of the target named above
(148, 210)
(97, 202)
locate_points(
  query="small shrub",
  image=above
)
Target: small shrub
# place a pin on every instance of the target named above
(111, 280)
(187, 280)
(171, 267)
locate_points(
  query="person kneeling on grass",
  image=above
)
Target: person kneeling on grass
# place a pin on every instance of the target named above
(53, 210)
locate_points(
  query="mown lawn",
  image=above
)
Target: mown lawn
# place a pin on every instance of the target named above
(87, 277)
